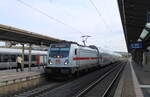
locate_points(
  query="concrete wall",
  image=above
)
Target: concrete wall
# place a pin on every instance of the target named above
(17, 87)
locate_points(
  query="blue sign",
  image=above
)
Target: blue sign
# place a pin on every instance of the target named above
(136, 45)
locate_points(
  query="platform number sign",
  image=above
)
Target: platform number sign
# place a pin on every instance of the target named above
(136, 45)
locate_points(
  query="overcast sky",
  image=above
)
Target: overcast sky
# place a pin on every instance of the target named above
(106, 30)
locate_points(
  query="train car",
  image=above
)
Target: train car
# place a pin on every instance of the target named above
(108, 57)
(69, 58)
(8, 57)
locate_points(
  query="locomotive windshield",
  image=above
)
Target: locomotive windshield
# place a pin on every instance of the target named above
(57, 51)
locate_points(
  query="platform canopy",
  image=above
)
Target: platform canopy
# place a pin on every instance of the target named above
(135, 20)
(8, 33)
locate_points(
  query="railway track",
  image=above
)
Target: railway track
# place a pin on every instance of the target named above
(102, 86)
(37, 91)
(77, 87)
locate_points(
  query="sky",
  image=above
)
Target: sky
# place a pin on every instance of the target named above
(79, 16)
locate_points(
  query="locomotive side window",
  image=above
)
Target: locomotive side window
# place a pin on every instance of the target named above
(75, 52)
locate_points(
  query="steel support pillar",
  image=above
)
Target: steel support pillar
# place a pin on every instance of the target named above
(22, 64)
(30, 57)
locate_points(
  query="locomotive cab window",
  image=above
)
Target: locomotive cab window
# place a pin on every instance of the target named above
(59, 51)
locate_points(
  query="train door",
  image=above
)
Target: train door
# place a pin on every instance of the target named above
(100, 58)
(76, 57)
(37, 59)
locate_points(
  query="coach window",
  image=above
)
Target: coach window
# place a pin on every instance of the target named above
(75, 51)
(13, 58)
(25, 57)
(33, 58)
(9, 58)
(0, 59)
(6, 58)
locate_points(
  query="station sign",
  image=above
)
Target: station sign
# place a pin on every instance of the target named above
(136, 45)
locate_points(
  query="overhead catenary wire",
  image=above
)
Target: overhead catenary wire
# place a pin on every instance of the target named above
(50, 17)
(50, 0)
(64, 10)
(99, 14)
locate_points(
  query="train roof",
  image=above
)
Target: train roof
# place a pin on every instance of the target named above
(90, 46)
(116, 54)
(19, 51)
(109, 52)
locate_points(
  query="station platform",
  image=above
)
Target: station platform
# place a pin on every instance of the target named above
(12, 81)
(11, 75)
(134, 82)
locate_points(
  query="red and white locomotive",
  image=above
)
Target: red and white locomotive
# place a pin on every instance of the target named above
(69, 58)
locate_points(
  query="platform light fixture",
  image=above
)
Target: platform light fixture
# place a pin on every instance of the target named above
(148, 25)
(144, 34)
(148, 48)
(139, 40)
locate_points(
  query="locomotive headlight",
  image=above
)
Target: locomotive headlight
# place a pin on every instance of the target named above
(50, 62)
(66, 62)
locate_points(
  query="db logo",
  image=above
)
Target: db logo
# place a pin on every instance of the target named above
(57, 61)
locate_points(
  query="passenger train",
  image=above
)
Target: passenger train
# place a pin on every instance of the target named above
(8, 57)
(70, 58)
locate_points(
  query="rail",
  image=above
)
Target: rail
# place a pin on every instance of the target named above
(93, 84)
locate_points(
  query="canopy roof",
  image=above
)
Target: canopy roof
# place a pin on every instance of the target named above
(134, 19)
(8, 33)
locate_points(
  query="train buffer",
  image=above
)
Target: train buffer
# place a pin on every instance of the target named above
(134, 82)
(12, 81)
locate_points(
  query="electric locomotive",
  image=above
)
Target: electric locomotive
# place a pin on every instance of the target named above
(69, 58)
